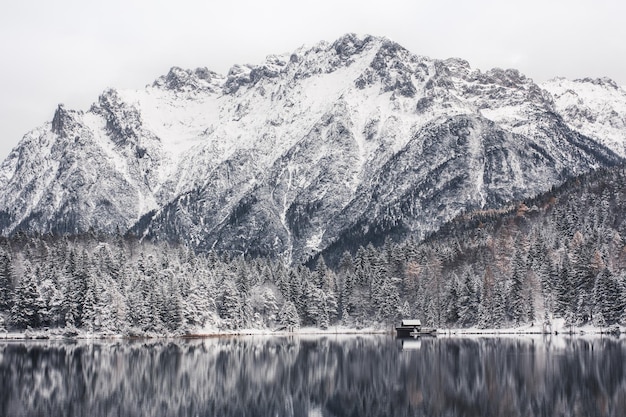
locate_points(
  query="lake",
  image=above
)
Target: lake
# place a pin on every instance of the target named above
(315, 376)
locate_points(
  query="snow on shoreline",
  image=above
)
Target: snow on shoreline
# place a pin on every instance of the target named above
(557, 328)
(61, 333)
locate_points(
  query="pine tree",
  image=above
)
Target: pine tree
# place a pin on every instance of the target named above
(498, 316)
(620, 278)
(346, 281)
(156, 306)
(174, 311)
(486, 309)
(323, 275)
(405, 310)
(288, 316)
(137, 312)
(549, 279)
(89, 315)
(331, 305)
(269, 307)
(468, 301)
(410, 280)
(565, 291)
(388, 307)
(347, 302)
(6, 280)
(230, 305)
(25, 310)
(452, 301)
(362, 267)
(76, 288)
(323, 320)
(517, 308)
(119, 312)
(282, 282)
(200, 303)
(105, 319)
(247, 317)
(582, 278)
(609, 300)
(243, 279)
(396, 261)
(50, 303)
(314, 298)
(299, 281)
(346, 263)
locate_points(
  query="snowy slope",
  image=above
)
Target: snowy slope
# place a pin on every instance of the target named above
(333, 144)
(404, 145)
(593, 107)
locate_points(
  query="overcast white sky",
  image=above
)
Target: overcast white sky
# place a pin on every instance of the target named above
(69, 51)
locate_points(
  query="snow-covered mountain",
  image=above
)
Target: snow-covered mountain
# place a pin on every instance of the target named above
(332, 144)
(593, 107)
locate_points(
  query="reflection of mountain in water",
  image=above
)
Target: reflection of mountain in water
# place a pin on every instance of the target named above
(327, 377)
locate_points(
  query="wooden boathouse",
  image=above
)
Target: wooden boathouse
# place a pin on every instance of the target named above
(412, 328)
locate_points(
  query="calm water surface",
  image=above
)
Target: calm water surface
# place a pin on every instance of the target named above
(325, 376)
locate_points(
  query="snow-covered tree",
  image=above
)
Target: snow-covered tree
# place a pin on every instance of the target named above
(608, 299)
(6, 280)
(26, 307)
(288, 316)
(230, 307)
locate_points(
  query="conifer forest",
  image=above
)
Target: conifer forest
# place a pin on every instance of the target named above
(559, 255)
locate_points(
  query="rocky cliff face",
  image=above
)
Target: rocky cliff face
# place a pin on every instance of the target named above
(593, 107)
(332, 145)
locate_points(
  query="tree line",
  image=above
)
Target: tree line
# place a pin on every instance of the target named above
(560, 255)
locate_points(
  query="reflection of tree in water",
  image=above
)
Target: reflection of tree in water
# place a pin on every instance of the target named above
(320, 376)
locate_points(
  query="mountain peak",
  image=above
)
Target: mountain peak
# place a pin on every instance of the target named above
(509, 77)
(186, 80)
(351, 44)
(63, 120)
(602, 82)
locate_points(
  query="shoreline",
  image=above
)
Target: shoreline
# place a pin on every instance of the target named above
(74, 334)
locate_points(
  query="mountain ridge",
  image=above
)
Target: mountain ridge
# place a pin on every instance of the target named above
(307, 149)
